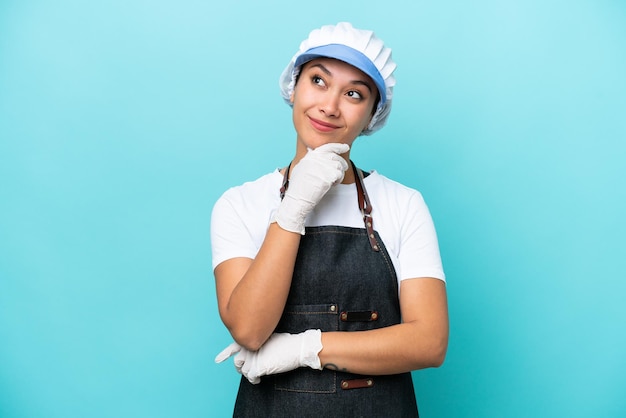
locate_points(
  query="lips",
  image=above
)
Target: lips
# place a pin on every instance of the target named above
(322, 126)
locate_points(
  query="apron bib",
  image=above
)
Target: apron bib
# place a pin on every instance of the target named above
(343, 280)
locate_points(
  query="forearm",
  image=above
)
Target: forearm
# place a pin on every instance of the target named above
(256, 302)
(390, 350)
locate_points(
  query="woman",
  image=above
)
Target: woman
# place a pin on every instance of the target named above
(330, 311)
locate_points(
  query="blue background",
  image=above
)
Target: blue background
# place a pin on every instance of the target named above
(121, 123)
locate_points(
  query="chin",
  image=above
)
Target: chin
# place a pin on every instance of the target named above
(314, 139)
(316, 142)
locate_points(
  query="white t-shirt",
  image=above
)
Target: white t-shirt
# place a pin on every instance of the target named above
(243, 213)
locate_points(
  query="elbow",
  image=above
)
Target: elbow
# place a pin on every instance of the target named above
(438, 359)
(248, 335)
(432, 354)
(438, 346)
(431, 360)
(248, 338)
(438, 353)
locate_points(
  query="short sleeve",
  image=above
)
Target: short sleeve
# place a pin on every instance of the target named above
(419, 248)
(230, 237)
(241, 216)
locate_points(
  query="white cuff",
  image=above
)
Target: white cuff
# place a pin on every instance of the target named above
(311, 346)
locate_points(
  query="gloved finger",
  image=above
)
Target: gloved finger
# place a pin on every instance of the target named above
(250, 369)
(343, 166)
(244, 366)
(227, 352)
(240, 359)
(335, 147)
(331, 167)
(328, 158)
(252, 374)
(254, 380)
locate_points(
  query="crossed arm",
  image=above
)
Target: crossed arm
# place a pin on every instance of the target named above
(252, 294)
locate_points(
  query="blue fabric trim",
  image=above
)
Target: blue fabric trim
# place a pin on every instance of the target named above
(351, 56)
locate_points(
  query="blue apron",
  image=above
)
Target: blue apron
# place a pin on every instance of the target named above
(343, 280)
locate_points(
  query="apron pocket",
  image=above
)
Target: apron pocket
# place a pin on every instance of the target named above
(299, 318)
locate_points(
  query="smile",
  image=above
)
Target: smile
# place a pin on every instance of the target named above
(322, 126)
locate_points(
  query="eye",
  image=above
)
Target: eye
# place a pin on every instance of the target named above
(316, 79)
(354, 94)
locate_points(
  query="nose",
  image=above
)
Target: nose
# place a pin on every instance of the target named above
(329, 105)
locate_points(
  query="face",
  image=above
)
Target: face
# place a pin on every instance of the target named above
(332, 102)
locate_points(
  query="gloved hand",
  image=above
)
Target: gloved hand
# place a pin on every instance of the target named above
(280, 353)
(310, 179)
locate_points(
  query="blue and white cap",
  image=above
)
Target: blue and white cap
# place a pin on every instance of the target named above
(357, 47)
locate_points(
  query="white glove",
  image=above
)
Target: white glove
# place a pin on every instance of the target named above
(310, 179)
(280, 353)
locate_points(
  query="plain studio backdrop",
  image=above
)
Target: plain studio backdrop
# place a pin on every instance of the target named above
(121, 123)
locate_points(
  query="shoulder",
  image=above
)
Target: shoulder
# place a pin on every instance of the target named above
(382, 187)
(265, 182)
(406, 227)
(264, 187)
(240, 218)
(398, 210)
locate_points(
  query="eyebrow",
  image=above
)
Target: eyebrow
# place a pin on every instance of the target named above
(327, 72)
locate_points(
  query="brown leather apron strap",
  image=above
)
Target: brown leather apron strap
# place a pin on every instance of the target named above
(365, 206)
(285, 184)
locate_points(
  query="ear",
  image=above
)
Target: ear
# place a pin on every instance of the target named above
(291, 97)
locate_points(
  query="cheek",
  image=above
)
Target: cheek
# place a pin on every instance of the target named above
(362, 119)
(302, 97)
